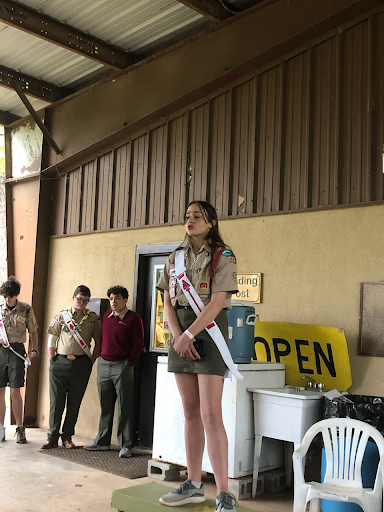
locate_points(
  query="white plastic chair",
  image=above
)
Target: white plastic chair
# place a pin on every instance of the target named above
(345, 441)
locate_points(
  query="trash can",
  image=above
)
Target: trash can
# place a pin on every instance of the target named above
(369, 409)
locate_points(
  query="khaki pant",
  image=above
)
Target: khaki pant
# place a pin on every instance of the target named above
(115, 382)
(68, 381)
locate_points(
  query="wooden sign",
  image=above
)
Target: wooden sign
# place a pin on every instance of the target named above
(249, 286)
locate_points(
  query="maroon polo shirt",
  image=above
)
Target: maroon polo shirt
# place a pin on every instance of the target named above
(122, 338)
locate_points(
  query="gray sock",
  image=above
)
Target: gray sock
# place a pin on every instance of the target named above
(196, 484)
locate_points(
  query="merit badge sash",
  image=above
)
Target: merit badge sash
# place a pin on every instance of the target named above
(4, 336)
(197, 305)
(75, 334)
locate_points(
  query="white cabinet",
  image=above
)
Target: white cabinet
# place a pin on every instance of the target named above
(168, 436)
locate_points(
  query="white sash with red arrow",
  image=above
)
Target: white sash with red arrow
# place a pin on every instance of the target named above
(3, 334)
(69, 323)
(197, 305)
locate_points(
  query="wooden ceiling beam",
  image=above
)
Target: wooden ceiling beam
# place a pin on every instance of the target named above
(7, 117)
(32, 86)
(52, 30)
(214, 10)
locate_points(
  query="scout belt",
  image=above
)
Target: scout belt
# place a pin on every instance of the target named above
(4, 336)
(75, 334)
(197, 305)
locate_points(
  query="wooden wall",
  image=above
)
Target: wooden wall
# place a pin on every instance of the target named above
(303, 133)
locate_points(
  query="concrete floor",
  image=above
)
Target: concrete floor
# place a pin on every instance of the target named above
(34, 482)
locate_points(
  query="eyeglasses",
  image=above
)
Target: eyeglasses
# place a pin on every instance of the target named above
(82, 301)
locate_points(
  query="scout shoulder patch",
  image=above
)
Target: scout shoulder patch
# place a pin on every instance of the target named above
(228, 253)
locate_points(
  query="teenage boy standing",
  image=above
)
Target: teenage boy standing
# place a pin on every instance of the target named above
(15, 319)
(70, 336)
(122, 340)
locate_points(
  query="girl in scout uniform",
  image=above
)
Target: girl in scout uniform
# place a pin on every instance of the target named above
(199, 362)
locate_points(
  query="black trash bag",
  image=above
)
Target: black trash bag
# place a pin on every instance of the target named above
(369, 409)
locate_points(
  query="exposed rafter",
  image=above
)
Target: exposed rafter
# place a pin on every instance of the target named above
(32, 86)
(36, 118)
(52, 30)
(212, 9)
(7, 117)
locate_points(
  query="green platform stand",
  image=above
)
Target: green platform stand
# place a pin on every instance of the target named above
(145, 498)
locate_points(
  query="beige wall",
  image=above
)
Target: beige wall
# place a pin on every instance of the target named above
(312, 265)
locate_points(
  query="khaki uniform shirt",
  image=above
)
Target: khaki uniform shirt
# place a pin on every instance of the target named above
(198, 272)
(17, 321)
(88, 328)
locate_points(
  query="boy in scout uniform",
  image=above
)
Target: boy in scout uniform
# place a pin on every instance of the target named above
(16, 318)
(69, 342)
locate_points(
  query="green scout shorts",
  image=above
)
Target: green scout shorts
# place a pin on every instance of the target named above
(12, 369)
(212, 363)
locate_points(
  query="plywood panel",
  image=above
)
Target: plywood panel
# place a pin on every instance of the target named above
(157, 175)
(295, 122)
(74, 202)
(89, 196)
(104, 202)
(354, 114)
(377, 104)
(243, 147)
(220, 152)
(177, 168)
(139, 180)
(60, 205)
(121, 203)
(267, 185)
(323, 138)
(372, 320)
(198, 152)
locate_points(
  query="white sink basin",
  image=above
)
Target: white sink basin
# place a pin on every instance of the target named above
(295, 392)
(285, 413)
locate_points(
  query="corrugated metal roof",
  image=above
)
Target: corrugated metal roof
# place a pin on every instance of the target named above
(138, 26)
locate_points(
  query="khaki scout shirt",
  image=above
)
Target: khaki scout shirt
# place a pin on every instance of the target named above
(18, 320)
(90, 328)
(198, 272)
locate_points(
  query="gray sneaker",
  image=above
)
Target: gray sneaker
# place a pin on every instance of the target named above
(97, 447)
(2, 433)
(186, 493)
(125, 452)
(225, 501)
(20, 435)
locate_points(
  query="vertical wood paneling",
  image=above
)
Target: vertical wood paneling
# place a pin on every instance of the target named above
(354, 113)
(295, 119)
(104, 202)
(89, 195)
(268, 141)
(243, 147)
(220, 152)
(74, 202)
(139, 180)
(177, 167)
(323, 139)
(60, 205)
(307, 132)
(198, 152)
(158, 175)
(122, 187)
(377, 78)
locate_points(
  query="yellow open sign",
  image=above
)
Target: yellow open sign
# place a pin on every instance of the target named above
(314, 350)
